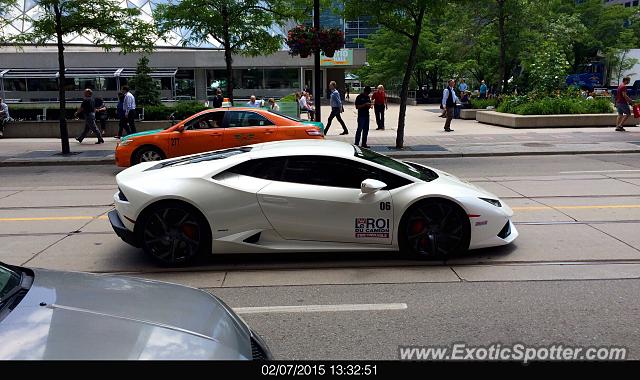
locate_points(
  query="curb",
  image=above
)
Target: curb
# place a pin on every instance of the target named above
(400, 155)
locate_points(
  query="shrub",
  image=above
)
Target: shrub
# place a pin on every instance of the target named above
(289, 98)
(553, 105)
(181, 110)
(483, 103)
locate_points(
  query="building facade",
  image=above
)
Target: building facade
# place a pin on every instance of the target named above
(182, 73)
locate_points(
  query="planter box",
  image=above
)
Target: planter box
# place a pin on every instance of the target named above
(468, 114)
(51, 129)
(550, 121)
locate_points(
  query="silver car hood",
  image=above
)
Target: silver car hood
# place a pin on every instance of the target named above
(69, 315)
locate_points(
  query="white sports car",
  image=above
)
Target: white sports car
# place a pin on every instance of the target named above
(302, 195)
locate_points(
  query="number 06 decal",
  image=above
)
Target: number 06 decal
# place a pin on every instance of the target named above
(385, 206)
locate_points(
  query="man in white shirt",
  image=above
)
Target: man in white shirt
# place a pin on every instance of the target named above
(304, 105)
(129, 107)
(253, 103)
(5, 118)
(449, 101)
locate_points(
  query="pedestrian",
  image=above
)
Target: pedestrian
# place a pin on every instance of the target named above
(483, 90)
(273, 106)
(253, 103)
(379, 106)
(5, 118)
(623, 101)
(462, 87)
(101, 113)
(363, 104)
(449, 101)
(217, 100)
(336, 109)
(123, 123)
(129, 108)
(346, 91)
(303, 102)
(88, 109)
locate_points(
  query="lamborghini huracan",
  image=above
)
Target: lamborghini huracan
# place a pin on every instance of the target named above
(302, 196)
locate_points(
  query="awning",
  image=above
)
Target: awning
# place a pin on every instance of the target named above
(82, 73)
(28, 73)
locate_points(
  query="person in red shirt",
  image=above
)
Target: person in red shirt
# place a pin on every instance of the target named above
(623, 101)
(379, 106)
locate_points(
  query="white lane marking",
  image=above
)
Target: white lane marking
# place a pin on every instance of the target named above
(320, 308)
(602, 171)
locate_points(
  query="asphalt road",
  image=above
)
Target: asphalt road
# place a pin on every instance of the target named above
(571, 313)
(571, 277)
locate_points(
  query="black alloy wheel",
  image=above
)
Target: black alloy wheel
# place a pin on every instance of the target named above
(174, 234)
(435, 229)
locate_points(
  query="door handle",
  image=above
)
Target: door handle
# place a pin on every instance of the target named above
(215, 134)
(269, 131)
(277, 200)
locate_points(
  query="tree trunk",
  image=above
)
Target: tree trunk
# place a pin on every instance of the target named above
(503, 45)
(228, 59)
(411, 64)
(64, 133)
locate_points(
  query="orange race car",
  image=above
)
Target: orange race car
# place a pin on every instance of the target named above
(211, 130)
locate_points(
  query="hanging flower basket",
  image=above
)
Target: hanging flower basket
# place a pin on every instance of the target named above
(302, 41)
(330, 40)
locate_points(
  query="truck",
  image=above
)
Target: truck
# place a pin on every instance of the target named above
(594, 76)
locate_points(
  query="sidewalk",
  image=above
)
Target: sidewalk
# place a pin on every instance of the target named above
(424, 138)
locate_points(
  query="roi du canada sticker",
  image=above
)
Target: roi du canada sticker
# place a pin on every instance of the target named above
(372, 228)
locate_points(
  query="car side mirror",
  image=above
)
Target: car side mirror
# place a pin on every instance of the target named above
(370, 186)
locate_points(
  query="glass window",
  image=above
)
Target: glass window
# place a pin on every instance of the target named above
(412, 170)
(265, 168)
(42, 84)
(9, 280)
(281, 78)
(15, 84)
(185, 84)
(251, 78)
(335, 172)
(209, 120)
(247, 119)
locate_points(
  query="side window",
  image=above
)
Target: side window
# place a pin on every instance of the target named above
(265, 168)
(247, 119)
(335, 172)
(210, 120)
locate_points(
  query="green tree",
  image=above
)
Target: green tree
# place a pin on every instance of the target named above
(547, 68)
(4, 10)
(240, 26)
(145, 87)
(405, 19)
(104, 21)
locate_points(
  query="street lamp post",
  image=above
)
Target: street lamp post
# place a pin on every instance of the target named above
(317, 91)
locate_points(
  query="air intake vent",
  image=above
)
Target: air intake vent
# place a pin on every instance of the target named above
(506, 231)
(257, 352)
(253, 239)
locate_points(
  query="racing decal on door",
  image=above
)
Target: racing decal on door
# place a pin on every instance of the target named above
(372, 228)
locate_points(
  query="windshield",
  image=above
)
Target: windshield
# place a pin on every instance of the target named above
(9, 281)
(413, 170)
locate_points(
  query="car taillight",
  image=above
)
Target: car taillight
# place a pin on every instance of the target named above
(314, 132)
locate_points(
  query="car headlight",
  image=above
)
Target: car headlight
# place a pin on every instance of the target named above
(125, 142)
(494, 202)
